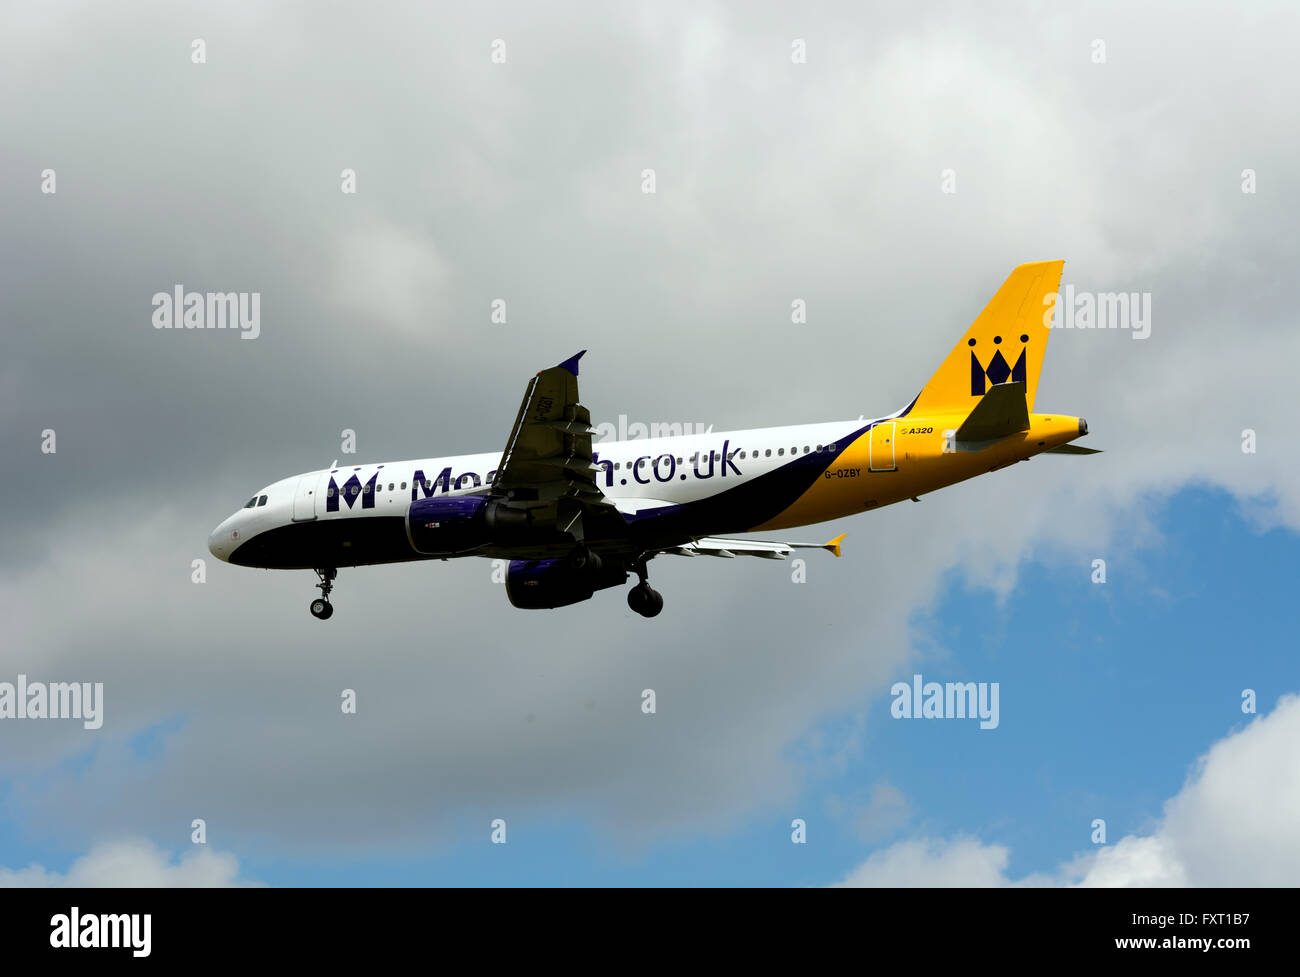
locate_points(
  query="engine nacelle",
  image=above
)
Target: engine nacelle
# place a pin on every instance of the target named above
(445, 527)
(449, 526)
(539, 584)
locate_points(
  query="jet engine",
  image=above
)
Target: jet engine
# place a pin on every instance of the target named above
(449, 526)
(537, 584)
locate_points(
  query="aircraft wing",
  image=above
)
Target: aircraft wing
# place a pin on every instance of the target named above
(547, 462)
(731, 548)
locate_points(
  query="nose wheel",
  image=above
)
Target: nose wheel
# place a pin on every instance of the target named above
(321, 607)
(643, 598)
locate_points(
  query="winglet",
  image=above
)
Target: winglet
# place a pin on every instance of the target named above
(834, 545)
(571, 364)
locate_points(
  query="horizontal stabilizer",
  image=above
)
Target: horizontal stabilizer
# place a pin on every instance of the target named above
(1000, 412)
(1072, 449)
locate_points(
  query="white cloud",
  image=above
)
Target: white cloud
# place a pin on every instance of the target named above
(1232, 824)
(934, 863)
(132, 863)
(1133, 862)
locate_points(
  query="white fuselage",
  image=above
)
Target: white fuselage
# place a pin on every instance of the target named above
(634, 475)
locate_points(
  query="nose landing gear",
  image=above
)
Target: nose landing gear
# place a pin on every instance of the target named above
(643, 598)
(321, 607)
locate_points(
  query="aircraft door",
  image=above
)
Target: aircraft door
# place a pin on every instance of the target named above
(880, 452)
(304, 499)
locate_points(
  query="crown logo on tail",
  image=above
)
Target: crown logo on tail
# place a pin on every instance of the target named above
(998, 370)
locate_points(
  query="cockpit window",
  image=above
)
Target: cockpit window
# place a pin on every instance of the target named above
(251, 502)
(262, 500)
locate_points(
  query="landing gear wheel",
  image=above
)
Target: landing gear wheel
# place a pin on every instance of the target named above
(321, 607)
(645, 600)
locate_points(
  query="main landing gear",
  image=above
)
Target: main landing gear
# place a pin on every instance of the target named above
(321, 607)
(643, 598)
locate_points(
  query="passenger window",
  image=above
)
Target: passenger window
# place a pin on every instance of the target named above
(403, 486)
(780, 451)
(390, 486)
(262, 501)
(767, 453)
(330, 492)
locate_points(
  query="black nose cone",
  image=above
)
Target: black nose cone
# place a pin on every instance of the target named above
(1083, 426)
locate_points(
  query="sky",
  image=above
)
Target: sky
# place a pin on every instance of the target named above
(886, 166)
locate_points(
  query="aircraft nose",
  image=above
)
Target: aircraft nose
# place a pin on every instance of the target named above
(221, 541)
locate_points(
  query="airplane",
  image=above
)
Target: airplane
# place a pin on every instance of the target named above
(573, 517)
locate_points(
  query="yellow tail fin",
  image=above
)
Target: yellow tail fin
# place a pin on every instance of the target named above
(1006, 343)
